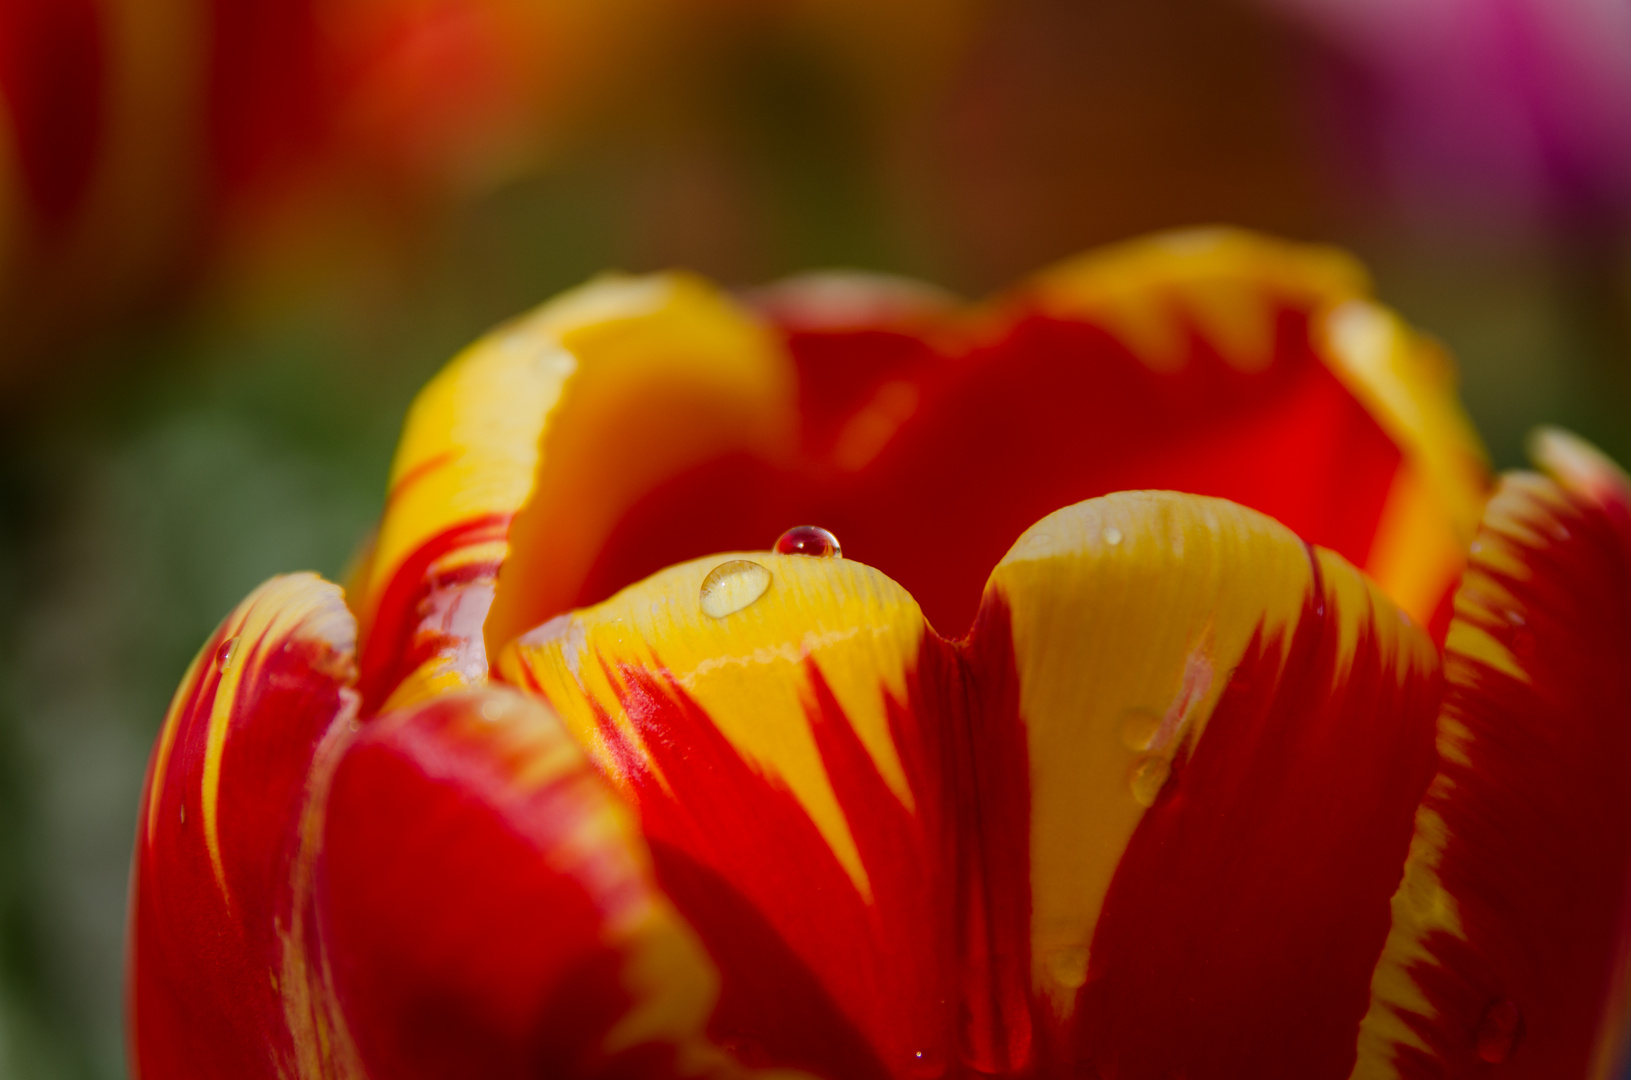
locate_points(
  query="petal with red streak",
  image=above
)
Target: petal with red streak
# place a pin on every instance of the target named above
(763, 750)
(218, 834)
(522, 442)
(1229, 732)
(1510, 931)
(486, 907)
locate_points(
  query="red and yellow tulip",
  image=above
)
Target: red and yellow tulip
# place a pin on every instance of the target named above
(1188, 702)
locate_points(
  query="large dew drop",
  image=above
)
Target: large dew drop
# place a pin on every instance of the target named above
(809, 540)
(732, 586)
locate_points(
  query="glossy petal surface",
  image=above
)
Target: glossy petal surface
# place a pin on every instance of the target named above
(1509, 940)
(915, 857)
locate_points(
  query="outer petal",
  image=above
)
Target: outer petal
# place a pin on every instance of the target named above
(539, 414)
(484, 907)
(1174, 733)
(218, 834)
(1510, 933)
(1229, 734)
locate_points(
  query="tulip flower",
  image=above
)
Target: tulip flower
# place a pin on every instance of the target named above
(1149, 680)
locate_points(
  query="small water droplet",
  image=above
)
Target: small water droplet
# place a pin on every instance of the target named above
(353, 726)
(1068, 965)
(1149, 777)
(224, 655)
(926, 1064)
(493, 710)
(809, 540)
(1112, 536)
(1138, 727)
(184, 815)
(732, 586)
(1499, 1032)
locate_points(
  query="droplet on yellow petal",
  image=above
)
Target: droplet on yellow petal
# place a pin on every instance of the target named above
(732, 586)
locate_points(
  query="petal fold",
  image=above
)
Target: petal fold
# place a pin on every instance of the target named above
(1509, 943)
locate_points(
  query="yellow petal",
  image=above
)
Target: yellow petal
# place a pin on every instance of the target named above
(533, 441)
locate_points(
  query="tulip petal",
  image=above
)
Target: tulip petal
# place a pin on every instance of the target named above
(1229, 732)
(218, 833)
(486, 906)
(538, 415)
(1213, 361)
(905, 852)
(760, 750)
(1437, 495)
(1231, 288)
(1510, 931)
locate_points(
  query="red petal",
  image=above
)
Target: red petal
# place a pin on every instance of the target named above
(1213, 362)
(219, 831)
(1510, 934)
(486, 907)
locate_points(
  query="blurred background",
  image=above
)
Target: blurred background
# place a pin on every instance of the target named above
(235, 236)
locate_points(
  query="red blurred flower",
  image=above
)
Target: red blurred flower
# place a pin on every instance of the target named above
(1171, 791)
(139, 139)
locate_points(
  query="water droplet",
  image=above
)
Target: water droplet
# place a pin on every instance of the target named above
(926, 1064)
(809, 540)
(1138, 727)
(732, 586)
(1499, 1032)
(184, 815)
(1068, 965)
(1149, 776)
(224, 655)
(1112, 536)
(353, 726)
(493, 710)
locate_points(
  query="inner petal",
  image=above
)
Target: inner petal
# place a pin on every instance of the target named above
(929, 464)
